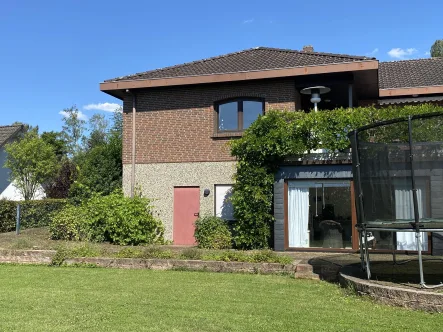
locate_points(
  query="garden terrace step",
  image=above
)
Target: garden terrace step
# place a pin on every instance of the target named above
(304, 268)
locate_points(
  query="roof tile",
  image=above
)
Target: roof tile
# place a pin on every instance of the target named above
(7, 132)
(410, 73)
(254, 59)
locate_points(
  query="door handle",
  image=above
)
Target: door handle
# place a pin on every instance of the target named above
(196, 214)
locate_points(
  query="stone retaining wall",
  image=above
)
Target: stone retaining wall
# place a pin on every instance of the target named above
(196, 265)
(408, 298)
(26, 256)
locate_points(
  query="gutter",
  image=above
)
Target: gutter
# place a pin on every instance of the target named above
(133, 142)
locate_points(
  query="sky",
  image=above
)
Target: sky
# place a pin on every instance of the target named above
(54, 54)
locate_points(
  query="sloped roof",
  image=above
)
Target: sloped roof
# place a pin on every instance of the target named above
(410, 73)
(7, 132)
(254, 59)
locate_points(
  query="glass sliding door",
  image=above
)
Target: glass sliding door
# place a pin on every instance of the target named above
(319, 214)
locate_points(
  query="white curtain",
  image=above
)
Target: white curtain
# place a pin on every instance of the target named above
(223, 206)
(404, 210)
(298, 219)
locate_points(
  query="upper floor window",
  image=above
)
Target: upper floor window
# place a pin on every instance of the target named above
(238, 114)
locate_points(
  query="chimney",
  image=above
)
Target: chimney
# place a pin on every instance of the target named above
(308, 48)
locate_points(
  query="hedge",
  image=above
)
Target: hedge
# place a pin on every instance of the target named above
(113, 218)
(32, 213)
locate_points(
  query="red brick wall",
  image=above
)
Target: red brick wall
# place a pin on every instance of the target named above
(176, 124)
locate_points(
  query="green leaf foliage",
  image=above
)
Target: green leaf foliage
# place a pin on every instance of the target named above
(277, 135)
(437, 49)
(100, 168)
(32, 161)
(8, 215)
(32, 213)
(112, 218)
(100, 165)
(212, 233)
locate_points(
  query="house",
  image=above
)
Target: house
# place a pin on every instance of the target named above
(177, 121)
(7, 188)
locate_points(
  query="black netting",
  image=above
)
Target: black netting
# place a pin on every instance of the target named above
(383, 172)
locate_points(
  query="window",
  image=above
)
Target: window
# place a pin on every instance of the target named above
(319, 214)
(223, 206)
(238, 114)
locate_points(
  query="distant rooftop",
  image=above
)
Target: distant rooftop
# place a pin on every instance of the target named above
(7, 132)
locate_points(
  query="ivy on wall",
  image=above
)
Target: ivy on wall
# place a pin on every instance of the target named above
(278, 135)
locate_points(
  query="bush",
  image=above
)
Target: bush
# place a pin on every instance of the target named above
(32, 213)
(260, 256)
(67, 224)
(113, 218)
(212, 233)
(8, 215)
(38, 213)
(192, 254)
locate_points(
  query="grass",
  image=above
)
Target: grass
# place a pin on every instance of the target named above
(41, 298)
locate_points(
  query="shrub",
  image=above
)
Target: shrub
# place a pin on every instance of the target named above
(32, 213)
(260, 256)
(129, 252)
(113, 218)
(157, 252)
(38, 213)
(212, 233)
(67, 224)
(8, 213)
(191, 253)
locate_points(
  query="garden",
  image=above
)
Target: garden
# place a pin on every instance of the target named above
(87, 215)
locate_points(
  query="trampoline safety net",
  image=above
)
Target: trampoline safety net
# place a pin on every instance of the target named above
(390, 160)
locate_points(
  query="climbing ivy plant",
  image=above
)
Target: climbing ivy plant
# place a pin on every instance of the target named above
(277, 135)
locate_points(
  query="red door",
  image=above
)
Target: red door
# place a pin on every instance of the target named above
(186, 210)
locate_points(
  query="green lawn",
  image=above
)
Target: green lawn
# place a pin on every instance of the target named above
(40, 298)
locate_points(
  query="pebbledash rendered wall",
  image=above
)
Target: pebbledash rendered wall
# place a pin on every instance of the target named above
(157, 181)
(177, 143)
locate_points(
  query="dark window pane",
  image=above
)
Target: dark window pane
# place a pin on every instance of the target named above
(227, 116)
(251, 111)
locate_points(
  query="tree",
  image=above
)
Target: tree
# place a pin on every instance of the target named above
(56, 140)
(98, 127)
(73, 129)
(437, 49)
(57, 186)
(100, 166)
(32, 161)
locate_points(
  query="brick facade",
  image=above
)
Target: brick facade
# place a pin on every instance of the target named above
(177, 124)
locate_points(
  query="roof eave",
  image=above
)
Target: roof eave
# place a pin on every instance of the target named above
(409, 91)
(240, 76)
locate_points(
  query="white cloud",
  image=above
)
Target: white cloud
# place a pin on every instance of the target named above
(400, 53)
(107, 107)
(373, 52)
(81, 115)
(428, 53)
(248, 21)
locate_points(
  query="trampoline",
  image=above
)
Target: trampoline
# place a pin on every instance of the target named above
(398, 176)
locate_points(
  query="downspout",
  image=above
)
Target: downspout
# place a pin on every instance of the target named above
(133, 143)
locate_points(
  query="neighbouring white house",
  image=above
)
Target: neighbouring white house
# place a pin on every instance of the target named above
(7, 189)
